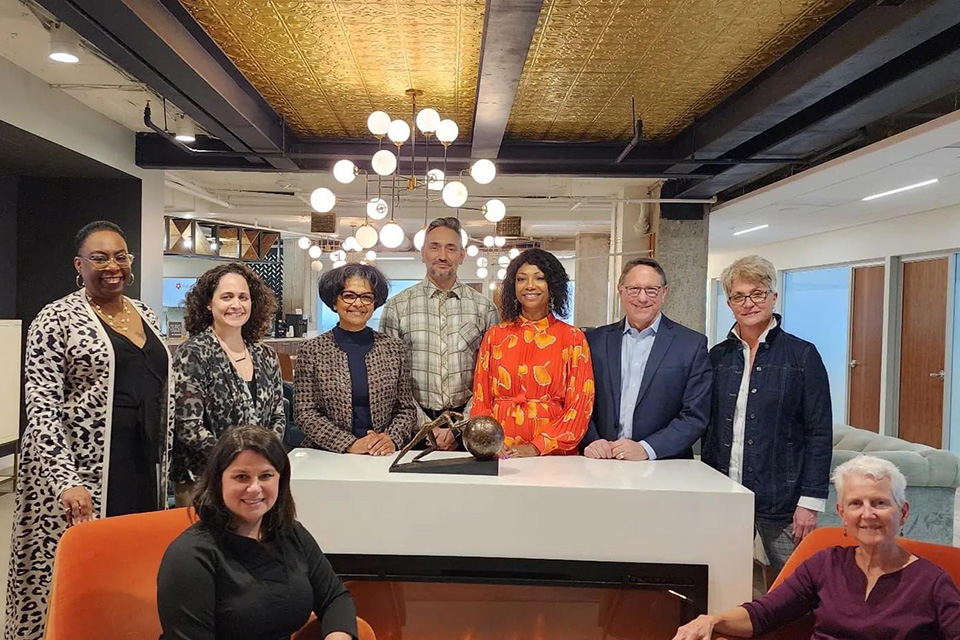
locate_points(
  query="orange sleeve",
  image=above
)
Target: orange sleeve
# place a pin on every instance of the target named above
(482, 386)
(564, 433)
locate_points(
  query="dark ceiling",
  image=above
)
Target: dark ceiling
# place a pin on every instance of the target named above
(24, 154)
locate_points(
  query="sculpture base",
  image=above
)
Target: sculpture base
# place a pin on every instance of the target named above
(456, 466)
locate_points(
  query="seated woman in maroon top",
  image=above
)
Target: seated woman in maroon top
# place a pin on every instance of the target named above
(874, 590)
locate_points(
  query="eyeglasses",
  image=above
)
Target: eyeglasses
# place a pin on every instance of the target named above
(350, 297)
(633, 292)
(757, 297)
(100, 261)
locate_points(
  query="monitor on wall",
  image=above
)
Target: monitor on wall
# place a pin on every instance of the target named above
(175, 291)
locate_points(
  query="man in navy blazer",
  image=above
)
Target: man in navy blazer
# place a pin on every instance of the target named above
(653, 376)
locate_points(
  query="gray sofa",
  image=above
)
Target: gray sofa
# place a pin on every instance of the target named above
(933, 476)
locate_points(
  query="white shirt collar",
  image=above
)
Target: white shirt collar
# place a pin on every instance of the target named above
(763, 336)
(654, 326)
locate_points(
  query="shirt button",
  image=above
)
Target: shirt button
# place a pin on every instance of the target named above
(754, 390)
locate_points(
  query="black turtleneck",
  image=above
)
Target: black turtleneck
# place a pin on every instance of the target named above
(357, 344)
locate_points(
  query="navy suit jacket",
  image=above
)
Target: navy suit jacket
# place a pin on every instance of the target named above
(673, 406)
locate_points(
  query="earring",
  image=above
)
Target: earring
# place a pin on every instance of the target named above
(79, 281)
(844, 532)
(132, 279)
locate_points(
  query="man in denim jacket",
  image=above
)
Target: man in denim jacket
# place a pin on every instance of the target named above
(771, 426)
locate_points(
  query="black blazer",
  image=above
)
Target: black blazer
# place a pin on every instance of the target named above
(673, 406)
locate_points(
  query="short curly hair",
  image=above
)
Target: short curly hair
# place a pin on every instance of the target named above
(557, 283)
(263, 302)
(333, 282)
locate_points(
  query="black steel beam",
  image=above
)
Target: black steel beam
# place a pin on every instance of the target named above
(508, 27)
(153, 44)
(860, 40)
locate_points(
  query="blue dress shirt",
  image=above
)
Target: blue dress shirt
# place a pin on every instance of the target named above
(634, 353)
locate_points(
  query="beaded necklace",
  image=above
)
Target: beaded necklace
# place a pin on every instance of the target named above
(119, 321)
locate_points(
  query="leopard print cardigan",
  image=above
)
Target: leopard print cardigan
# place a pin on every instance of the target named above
(69, 368)
(322, 397)
(211, 397)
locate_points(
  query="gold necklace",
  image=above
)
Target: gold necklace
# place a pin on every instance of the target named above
(246, 351)
(119, 321)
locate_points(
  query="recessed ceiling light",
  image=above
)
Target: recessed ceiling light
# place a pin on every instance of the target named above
(901, 189)
(756, 228)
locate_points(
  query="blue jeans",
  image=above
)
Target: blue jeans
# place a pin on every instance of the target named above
(778, 544)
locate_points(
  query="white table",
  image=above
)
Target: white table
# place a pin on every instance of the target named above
(564, 508)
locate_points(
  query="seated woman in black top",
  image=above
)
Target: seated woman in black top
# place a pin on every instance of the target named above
(247, 570)
(352, 390)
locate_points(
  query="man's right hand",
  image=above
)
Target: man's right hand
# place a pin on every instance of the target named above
(446, 441)
(78, 505)
(599, 450)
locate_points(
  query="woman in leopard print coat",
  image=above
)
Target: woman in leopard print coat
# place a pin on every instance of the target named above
(70, 367)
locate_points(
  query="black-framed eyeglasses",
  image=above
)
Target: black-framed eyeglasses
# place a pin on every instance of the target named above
(351, 297)
(101, 261)
(757, 297)
(633, 292)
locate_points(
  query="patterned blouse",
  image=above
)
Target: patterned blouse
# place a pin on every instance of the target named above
(536, 379)
(211, 397)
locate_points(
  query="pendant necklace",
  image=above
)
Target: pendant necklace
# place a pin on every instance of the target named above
(119, 321)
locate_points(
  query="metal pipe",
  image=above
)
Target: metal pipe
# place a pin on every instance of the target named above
(197, 192)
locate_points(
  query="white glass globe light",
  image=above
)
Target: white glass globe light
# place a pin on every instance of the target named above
(494, 210)
(482, 273)
(500, 241)
(351, 244)
(464, 238)
(322, 199)
(339, 263)
(454, 194)
(419, 238)
(317, 266)
(435, 179)
(488, 241)
(367, 236)
(473, 250)
(344, 171)
(378, 123)
(502, 273)
(447, 131)
(384, 162)
(493, 286)
(427, 120)
(483, 171)
(339, 254)
(399, 131)
(391, 236)
(377, 208)
(482, 262)
(371, 255)
(304, 243)
(503, 261)
(514, 253)
(315, 252)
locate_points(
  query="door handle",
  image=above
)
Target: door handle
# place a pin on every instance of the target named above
(938, 374)
(853, 364)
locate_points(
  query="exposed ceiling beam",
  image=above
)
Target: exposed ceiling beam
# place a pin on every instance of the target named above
(858, 41)
(508, 27)
(153, 42)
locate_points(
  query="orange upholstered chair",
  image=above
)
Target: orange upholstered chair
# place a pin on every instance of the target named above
(946, 557)
(105, 578)
(313, 631)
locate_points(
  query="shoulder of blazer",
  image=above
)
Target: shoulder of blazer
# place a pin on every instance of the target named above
(603, 330)
(680, 331)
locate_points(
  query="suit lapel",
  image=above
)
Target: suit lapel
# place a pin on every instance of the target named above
(660, 345)
(614, 345)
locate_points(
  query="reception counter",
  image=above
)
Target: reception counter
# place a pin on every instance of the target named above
(664, 513)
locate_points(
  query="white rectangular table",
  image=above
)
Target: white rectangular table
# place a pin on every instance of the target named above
(563, 508)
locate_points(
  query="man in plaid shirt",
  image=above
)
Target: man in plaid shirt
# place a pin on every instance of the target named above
(442, 321)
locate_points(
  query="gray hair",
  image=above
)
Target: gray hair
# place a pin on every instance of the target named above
(752, 269)
(865, 466)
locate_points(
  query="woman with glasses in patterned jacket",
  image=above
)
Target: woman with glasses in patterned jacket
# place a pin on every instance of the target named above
(352, 390)
(99, 418)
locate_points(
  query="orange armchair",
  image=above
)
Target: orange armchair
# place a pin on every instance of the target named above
(946, 557)
(105, 578)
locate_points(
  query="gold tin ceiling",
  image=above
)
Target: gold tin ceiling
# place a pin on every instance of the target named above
(326, 64)
(680, 58)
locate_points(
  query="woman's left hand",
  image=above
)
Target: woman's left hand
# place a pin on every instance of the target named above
(382, 445)
(519, 451)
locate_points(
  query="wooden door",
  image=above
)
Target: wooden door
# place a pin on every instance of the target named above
(922, 345)
(866, 347)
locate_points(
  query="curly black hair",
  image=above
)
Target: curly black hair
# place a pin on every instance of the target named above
(333, 282)
(91, 228)
(263, 302)
(208, 501)
(557, 281)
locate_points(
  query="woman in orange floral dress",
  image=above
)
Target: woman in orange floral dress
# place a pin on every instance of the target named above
(533, 371)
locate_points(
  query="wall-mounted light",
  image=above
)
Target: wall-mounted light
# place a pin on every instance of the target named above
(900, 190)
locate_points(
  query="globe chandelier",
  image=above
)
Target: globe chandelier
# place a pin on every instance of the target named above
(424, 181)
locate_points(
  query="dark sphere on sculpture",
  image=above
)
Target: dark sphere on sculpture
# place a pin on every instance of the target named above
(483, 437)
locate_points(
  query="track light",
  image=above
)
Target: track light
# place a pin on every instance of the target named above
(186, 130)
(64, 44)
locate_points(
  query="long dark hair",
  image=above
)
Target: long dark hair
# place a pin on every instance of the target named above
(263, 302)
(557, 281)
(208, 500)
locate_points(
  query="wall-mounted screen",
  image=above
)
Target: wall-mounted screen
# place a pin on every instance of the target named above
(175, 291)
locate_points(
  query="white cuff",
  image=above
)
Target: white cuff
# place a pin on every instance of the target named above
(814, 504)
(651, 454)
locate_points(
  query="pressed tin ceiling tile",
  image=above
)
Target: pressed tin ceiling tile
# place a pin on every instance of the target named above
(326, 64)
